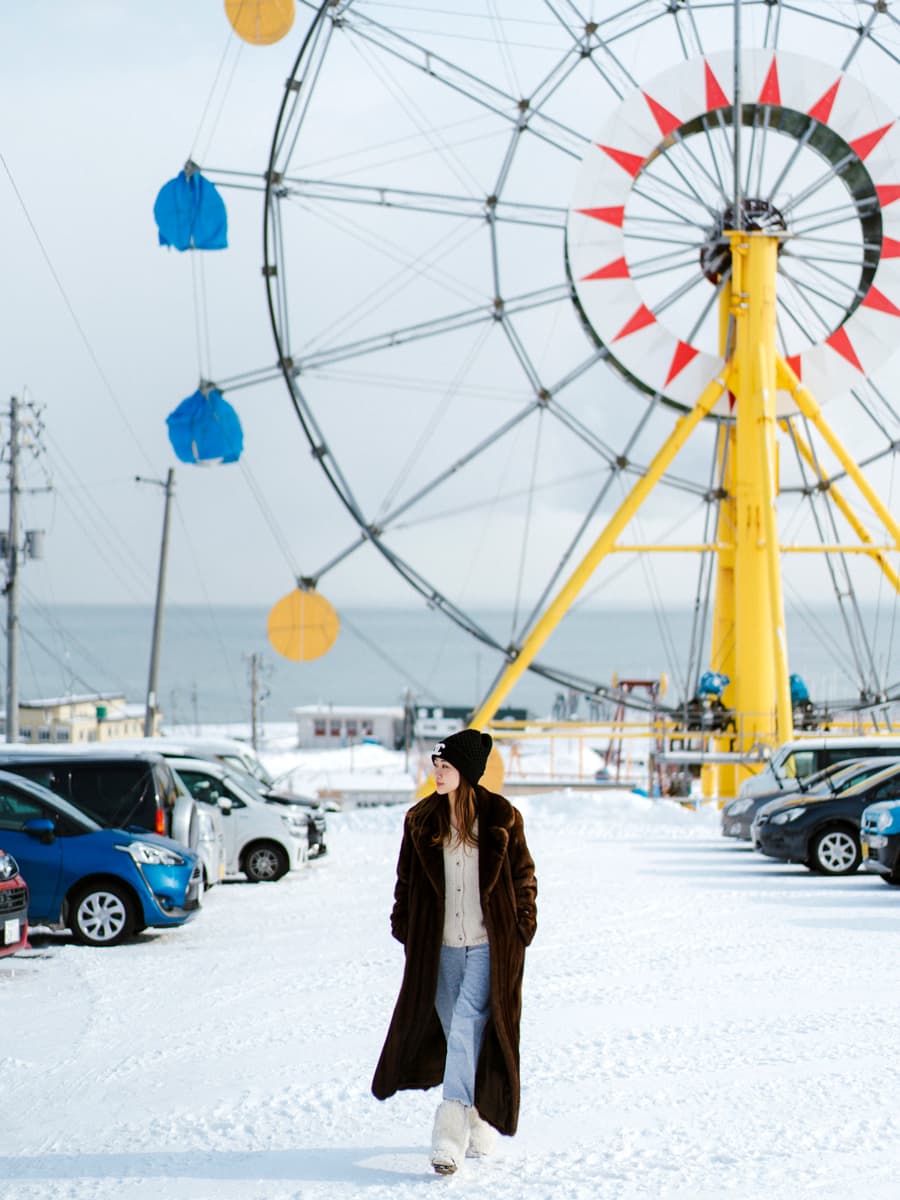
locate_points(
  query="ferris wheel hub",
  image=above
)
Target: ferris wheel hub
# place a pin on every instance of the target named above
(758, 215)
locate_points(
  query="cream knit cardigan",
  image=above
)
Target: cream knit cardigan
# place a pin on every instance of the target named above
(463, 918)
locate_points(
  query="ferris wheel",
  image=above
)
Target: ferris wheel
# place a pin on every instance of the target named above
(531, 266)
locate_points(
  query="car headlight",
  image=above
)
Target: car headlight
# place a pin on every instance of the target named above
(145, 854)
(884, 820)
(8, 865)
(789, 814)
(739, 806)
(295, 824)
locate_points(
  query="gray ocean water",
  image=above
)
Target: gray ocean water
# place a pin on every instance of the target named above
(380, 653)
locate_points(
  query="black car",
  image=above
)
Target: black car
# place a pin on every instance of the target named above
(120, 791)
(738, 814)
(823, 832)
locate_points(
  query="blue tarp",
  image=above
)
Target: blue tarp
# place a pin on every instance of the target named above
(190, 213)
(799, 690)
(712, 683)
(204, 428)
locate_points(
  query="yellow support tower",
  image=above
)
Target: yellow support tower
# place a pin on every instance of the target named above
(760, 689)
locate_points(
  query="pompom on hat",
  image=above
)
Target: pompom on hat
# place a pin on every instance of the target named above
(468, 751)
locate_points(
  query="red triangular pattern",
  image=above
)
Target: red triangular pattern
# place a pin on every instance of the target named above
(866, 144)
(715, 97)
(613, 270)
(888, 193)
(840, 342)
(684, 353)
(821, 110)
(631, 163)
(612, 216)
(793, 361)
(890, 248)
(665, 120)
(641, 318)
(771, 91)
(880, 302)
(732, 401)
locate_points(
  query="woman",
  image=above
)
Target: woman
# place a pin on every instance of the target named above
(464, 909)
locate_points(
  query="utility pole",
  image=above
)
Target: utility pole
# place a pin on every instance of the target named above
(12, 553)
(12, 580)
(258, 693)
(151, 709)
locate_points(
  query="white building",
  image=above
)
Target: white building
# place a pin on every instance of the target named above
(331, 725)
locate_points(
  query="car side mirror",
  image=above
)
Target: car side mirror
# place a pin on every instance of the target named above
(41, 828)
(224, 803)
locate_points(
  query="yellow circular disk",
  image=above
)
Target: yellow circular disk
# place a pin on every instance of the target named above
(492, 779)
(302, 625)
(260, 22)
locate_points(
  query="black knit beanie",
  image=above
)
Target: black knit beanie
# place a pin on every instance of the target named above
(467, 750)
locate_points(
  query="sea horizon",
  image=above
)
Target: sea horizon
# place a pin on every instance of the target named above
(383, 653)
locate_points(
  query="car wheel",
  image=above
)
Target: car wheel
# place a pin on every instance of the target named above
(835, 852)
(101, 914)
(264, 861)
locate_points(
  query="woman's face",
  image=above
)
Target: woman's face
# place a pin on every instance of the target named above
(446, 777)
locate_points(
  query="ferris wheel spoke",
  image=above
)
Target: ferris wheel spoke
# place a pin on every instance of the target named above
(235, 383)
(882, 398)
(707, 307)
(438, 203)
(297, 97)
(828, 297)
(817, 185)
(585, 435)
(676, 193)
(390, 519)
(660, 264)
(428, 329)
(681, 291)
(465, 83)
(784, 307)
(713, 179)
(873, 417)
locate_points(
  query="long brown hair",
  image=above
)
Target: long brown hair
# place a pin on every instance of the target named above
(438, 806)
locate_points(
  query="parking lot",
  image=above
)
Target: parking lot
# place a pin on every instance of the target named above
(699, 1023)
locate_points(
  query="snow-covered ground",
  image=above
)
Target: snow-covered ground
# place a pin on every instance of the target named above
(699, 1024)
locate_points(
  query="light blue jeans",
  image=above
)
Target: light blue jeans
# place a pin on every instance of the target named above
(463, 1003)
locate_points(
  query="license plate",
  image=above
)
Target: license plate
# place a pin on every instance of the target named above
(11, 931)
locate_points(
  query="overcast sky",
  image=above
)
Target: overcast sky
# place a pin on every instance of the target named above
(103, 102)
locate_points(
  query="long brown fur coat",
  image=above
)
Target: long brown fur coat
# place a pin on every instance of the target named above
(415, 1049)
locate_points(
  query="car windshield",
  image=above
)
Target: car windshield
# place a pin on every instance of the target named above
(872, 780)
(246, 766)
(209, 786)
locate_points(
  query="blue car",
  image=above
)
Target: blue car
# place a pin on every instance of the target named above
(102, 884)
(880, 839)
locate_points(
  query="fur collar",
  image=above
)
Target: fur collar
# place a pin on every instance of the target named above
(495, 819)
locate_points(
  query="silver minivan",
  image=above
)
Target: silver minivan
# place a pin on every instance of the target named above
(796, 760)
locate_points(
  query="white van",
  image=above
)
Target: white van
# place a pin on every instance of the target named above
(796, 760)
(265, 841)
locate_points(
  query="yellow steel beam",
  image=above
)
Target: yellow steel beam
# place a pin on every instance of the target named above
(786, 548)
(564, 598)
(808, 405)
(850, 516)
(761, 690)
(784, 709)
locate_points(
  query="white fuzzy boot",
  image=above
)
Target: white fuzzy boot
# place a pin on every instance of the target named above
(450, 1136)
(482, 1136)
